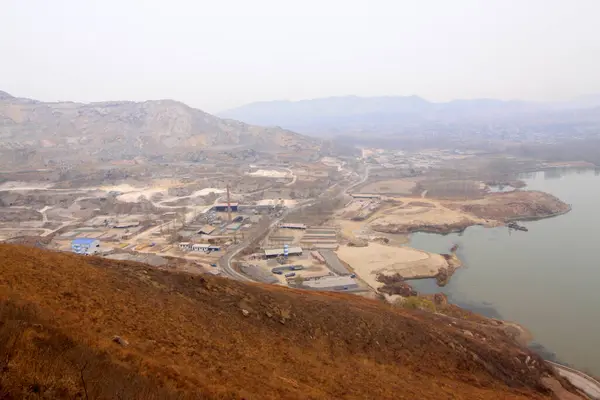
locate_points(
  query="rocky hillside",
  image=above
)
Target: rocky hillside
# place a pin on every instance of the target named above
(85, 327)
(124, 130)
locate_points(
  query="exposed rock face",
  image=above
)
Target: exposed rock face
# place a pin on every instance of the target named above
(124, 130)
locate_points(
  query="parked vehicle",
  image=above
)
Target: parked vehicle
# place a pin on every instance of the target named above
(290, 274)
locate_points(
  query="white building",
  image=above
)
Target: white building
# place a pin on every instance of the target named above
(292, 251)
(86, 246)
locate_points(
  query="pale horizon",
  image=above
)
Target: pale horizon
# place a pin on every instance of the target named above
(217, 56)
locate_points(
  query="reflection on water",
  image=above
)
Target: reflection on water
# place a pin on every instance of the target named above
(545, 279)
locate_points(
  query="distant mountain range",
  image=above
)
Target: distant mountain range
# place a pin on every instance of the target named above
(123, 130)
(352, 114)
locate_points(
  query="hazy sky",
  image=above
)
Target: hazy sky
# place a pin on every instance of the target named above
(222, 53)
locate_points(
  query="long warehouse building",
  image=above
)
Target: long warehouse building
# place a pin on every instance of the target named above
(333, 283)
(292, 251)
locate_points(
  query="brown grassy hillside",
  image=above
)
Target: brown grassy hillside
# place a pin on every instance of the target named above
(205, 337)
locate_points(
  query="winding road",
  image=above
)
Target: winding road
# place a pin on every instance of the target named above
(225, 260)
(582, 381)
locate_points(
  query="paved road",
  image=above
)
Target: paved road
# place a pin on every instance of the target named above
(225, 261)
(294, 177)
(362, 180)
(581, 381)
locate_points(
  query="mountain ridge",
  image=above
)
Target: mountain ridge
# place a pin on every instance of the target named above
(348, 114)
(113, 130)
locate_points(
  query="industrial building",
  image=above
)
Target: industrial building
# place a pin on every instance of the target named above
(332, 283)
(200, 246)
(223, 207)
(366, 196)
(318, 237)
(334, 263)
(185, 246)
(293, 226)
(85, 246)
(291, 251)
(126, 225)
(206, 230)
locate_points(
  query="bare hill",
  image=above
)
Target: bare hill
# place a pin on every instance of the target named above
(182, 336)
(117, 130)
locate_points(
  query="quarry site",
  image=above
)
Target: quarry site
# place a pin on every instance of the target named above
(174, 244)
(333, 224)
(299, 201)
(330, 226)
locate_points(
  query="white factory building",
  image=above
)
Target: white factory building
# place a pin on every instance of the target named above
(291, 251)
(185, 246)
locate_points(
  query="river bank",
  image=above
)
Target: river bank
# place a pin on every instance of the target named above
(454, 216)
(544, 279)
(378, 256)
(376, 259)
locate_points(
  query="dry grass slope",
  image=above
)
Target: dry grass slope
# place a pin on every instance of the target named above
(189, 338)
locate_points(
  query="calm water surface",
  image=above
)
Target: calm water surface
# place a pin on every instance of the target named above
(547, 279)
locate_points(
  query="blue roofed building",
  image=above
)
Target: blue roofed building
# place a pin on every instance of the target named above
(86, 246)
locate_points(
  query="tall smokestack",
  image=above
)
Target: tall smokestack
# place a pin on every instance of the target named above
(228, 205)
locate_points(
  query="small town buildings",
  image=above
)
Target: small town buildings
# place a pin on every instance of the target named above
(86, 246)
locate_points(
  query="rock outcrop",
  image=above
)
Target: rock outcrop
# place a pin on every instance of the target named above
(163, 129)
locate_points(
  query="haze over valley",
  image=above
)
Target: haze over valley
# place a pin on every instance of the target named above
(169, 230)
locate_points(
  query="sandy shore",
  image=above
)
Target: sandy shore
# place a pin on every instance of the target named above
(377, 258)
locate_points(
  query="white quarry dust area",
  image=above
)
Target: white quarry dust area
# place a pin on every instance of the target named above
(269, 173)
(15, 185)
(131, 194)
(273, 202)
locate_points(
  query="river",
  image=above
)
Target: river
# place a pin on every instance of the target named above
(547, 279)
